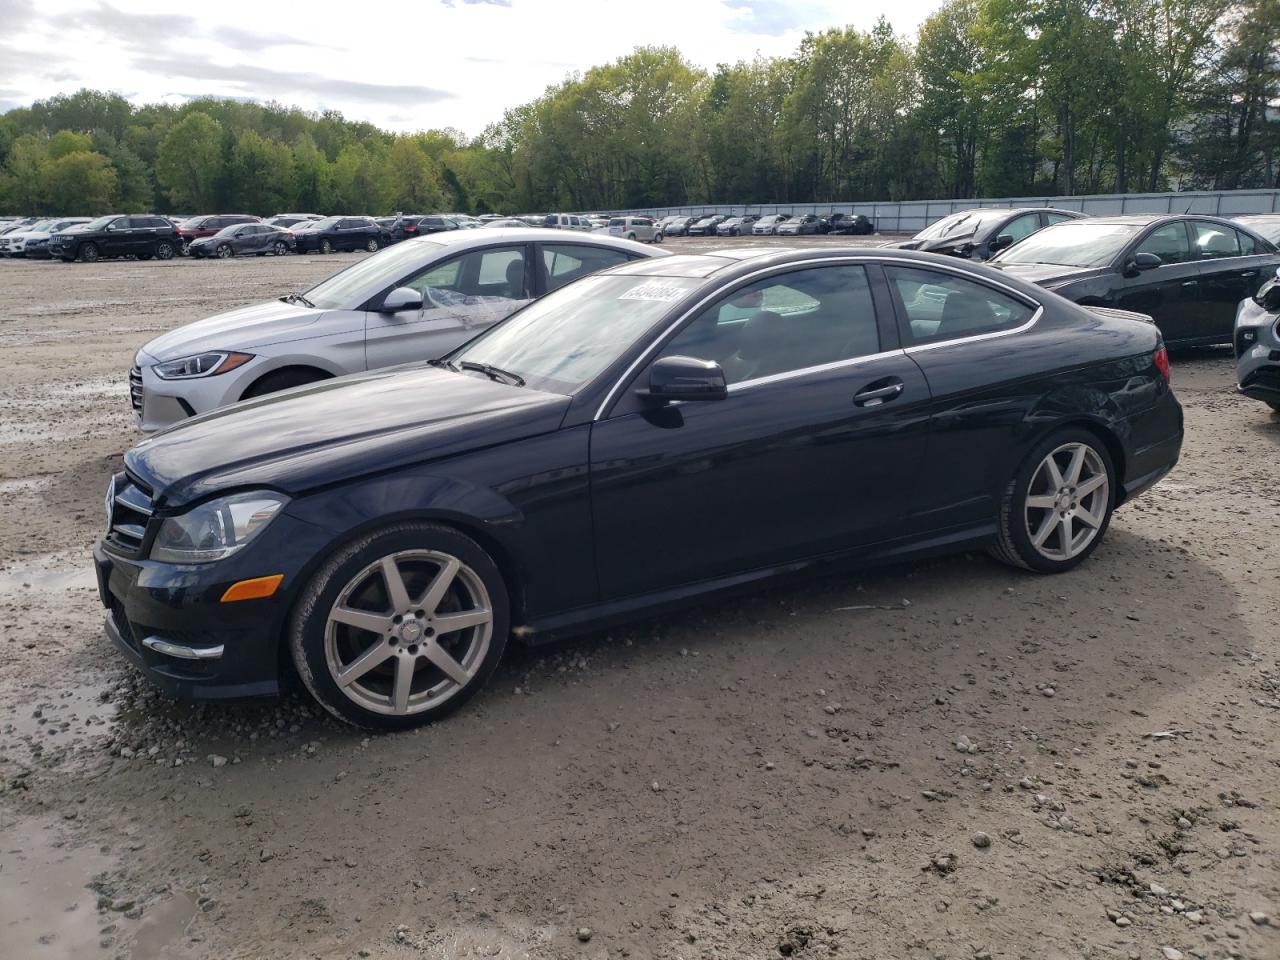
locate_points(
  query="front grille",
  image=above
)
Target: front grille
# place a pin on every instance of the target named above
(131, 509)
(135, 389)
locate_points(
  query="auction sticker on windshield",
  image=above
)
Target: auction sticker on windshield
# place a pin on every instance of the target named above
(653, 291)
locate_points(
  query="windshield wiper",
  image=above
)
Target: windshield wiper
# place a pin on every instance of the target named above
(494, 373)
(298, 298)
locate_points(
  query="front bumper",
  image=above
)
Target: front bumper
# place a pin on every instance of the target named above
(170, 622)
(161, 403)
(233, 653)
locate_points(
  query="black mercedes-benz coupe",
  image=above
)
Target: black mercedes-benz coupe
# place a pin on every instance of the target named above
(638, 439)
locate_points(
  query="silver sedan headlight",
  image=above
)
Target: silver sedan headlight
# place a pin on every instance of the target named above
(216, 529)
(201, 365)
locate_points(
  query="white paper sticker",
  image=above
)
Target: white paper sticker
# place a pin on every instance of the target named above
(653, 291)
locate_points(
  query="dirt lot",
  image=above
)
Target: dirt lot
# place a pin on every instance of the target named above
(942, 760)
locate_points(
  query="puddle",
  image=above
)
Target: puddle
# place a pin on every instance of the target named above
(50, 574)
(46, 911)
(49, 912)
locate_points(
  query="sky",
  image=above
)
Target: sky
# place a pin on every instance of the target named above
(404, 65)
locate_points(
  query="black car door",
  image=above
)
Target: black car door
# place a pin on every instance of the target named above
(816, 448)
(960, 333)
(1232, 267)
(1169, 293)
(118, 239)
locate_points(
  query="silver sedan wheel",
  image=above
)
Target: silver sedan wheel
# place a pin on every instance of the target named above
(1067, 501)
(408, 632)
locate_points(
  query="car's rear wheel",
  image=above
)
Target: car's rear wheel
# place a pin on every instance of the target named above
(400, 627)
(224, 251)
(326, 246)
(280, 248)
(372, 245)
(1057, 507)
(164, 250)
(88, 252)
(657, 237)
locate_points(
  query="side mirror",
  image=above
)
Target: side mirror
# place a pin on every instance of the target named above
(401, 298)
(685, 378)
(1000, 242)
(1145, 261)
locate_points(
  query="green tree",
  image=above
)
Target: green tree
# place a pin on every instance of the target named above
(189, 165)
(412, 179)
(23, 188)
(312, 177)
(261, 174)
(80, 182)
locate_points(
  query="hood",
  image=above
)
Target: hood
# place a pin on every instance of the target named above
(241, 329)
(335, 430)
(1046, 274)
(934, 245)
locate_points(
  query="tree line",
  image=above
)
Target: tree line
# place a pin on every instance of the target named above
(990, 98)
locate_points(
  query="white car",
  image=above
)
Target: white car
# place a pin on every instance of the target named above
(636, 228)
(37, 234)
(414, 301)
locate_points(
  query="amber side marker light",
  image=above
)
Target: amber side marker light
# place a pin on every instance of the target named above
(254, 589)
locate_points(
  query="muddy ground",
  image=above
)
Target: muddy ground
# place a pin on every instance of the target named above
(940, 760)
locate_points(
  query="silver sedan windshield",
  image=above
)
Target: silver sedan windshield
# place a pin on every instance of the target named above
(362, 280)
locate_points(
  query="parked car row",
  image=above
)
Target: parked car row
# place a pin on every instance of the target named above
(648, 431)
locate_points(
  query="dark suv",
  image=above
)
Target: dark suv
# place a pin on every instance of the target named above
(141, 235)
(197, 228)
(339, 233)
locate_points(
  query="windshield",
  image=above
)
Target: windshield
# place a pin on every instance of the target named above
(1076, 243)
(567, 338)
(362, 280)
(100, 223)
(324, 224)
(968, 223)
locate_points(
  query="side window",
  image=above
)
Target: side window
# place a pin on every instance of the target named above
(1052, 218)
(569, 261)
(120, 223)
(1020, 227)
(1169, 243)
(788, 322)
(1213, 242)
(940, 307)
(497, 272)
(1248, 247)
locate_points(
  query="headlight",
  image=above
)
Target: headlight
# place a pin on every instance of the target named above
(201, 365)
(216, 529)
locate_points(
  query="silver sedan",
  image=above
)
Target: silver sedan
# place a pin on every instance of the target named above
(413, 301)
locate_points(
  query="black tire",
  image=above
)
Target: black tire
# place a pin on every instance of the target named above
(88, 252)
(657, 237)
(326, 246)
(307, 624)
(164, 250)
(280, 248)
(224, 251)
(282, 380)
(372, 245)
(1014, 544)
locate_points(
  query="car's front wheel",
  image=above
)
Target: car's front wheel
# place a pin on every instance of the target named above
(224, 251)
(326, 246)
(280, 248)
(372, 245)
(1057, 507)
(401, 626)
(88, 252)
(657, 237)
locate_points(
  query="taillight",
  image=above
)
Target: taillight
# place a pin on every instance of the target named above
(1162, 362)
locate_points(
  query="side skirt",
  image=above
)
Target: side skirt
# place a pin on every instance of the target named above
(609, 613)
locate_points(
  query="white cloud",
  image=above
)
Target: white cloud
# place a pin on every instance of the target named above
(405, 65)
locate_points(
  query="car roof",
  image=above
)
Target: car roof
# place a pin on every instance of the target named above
(470, 238)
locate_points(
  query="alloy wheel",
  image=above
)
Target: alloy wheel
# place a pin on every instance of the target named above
(164, 250)
(1067, 501)
(408, 632)
(326, 247)
(89, 252)
(224, 251)
(372, 246)
(280, 248)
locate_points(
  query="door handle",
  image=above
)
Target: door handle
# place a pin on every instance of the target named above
(1191, 283)
(875, 396)
(1249, 273)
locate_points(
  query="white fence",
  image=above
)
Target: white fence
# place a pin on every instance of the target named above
(909, 216)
